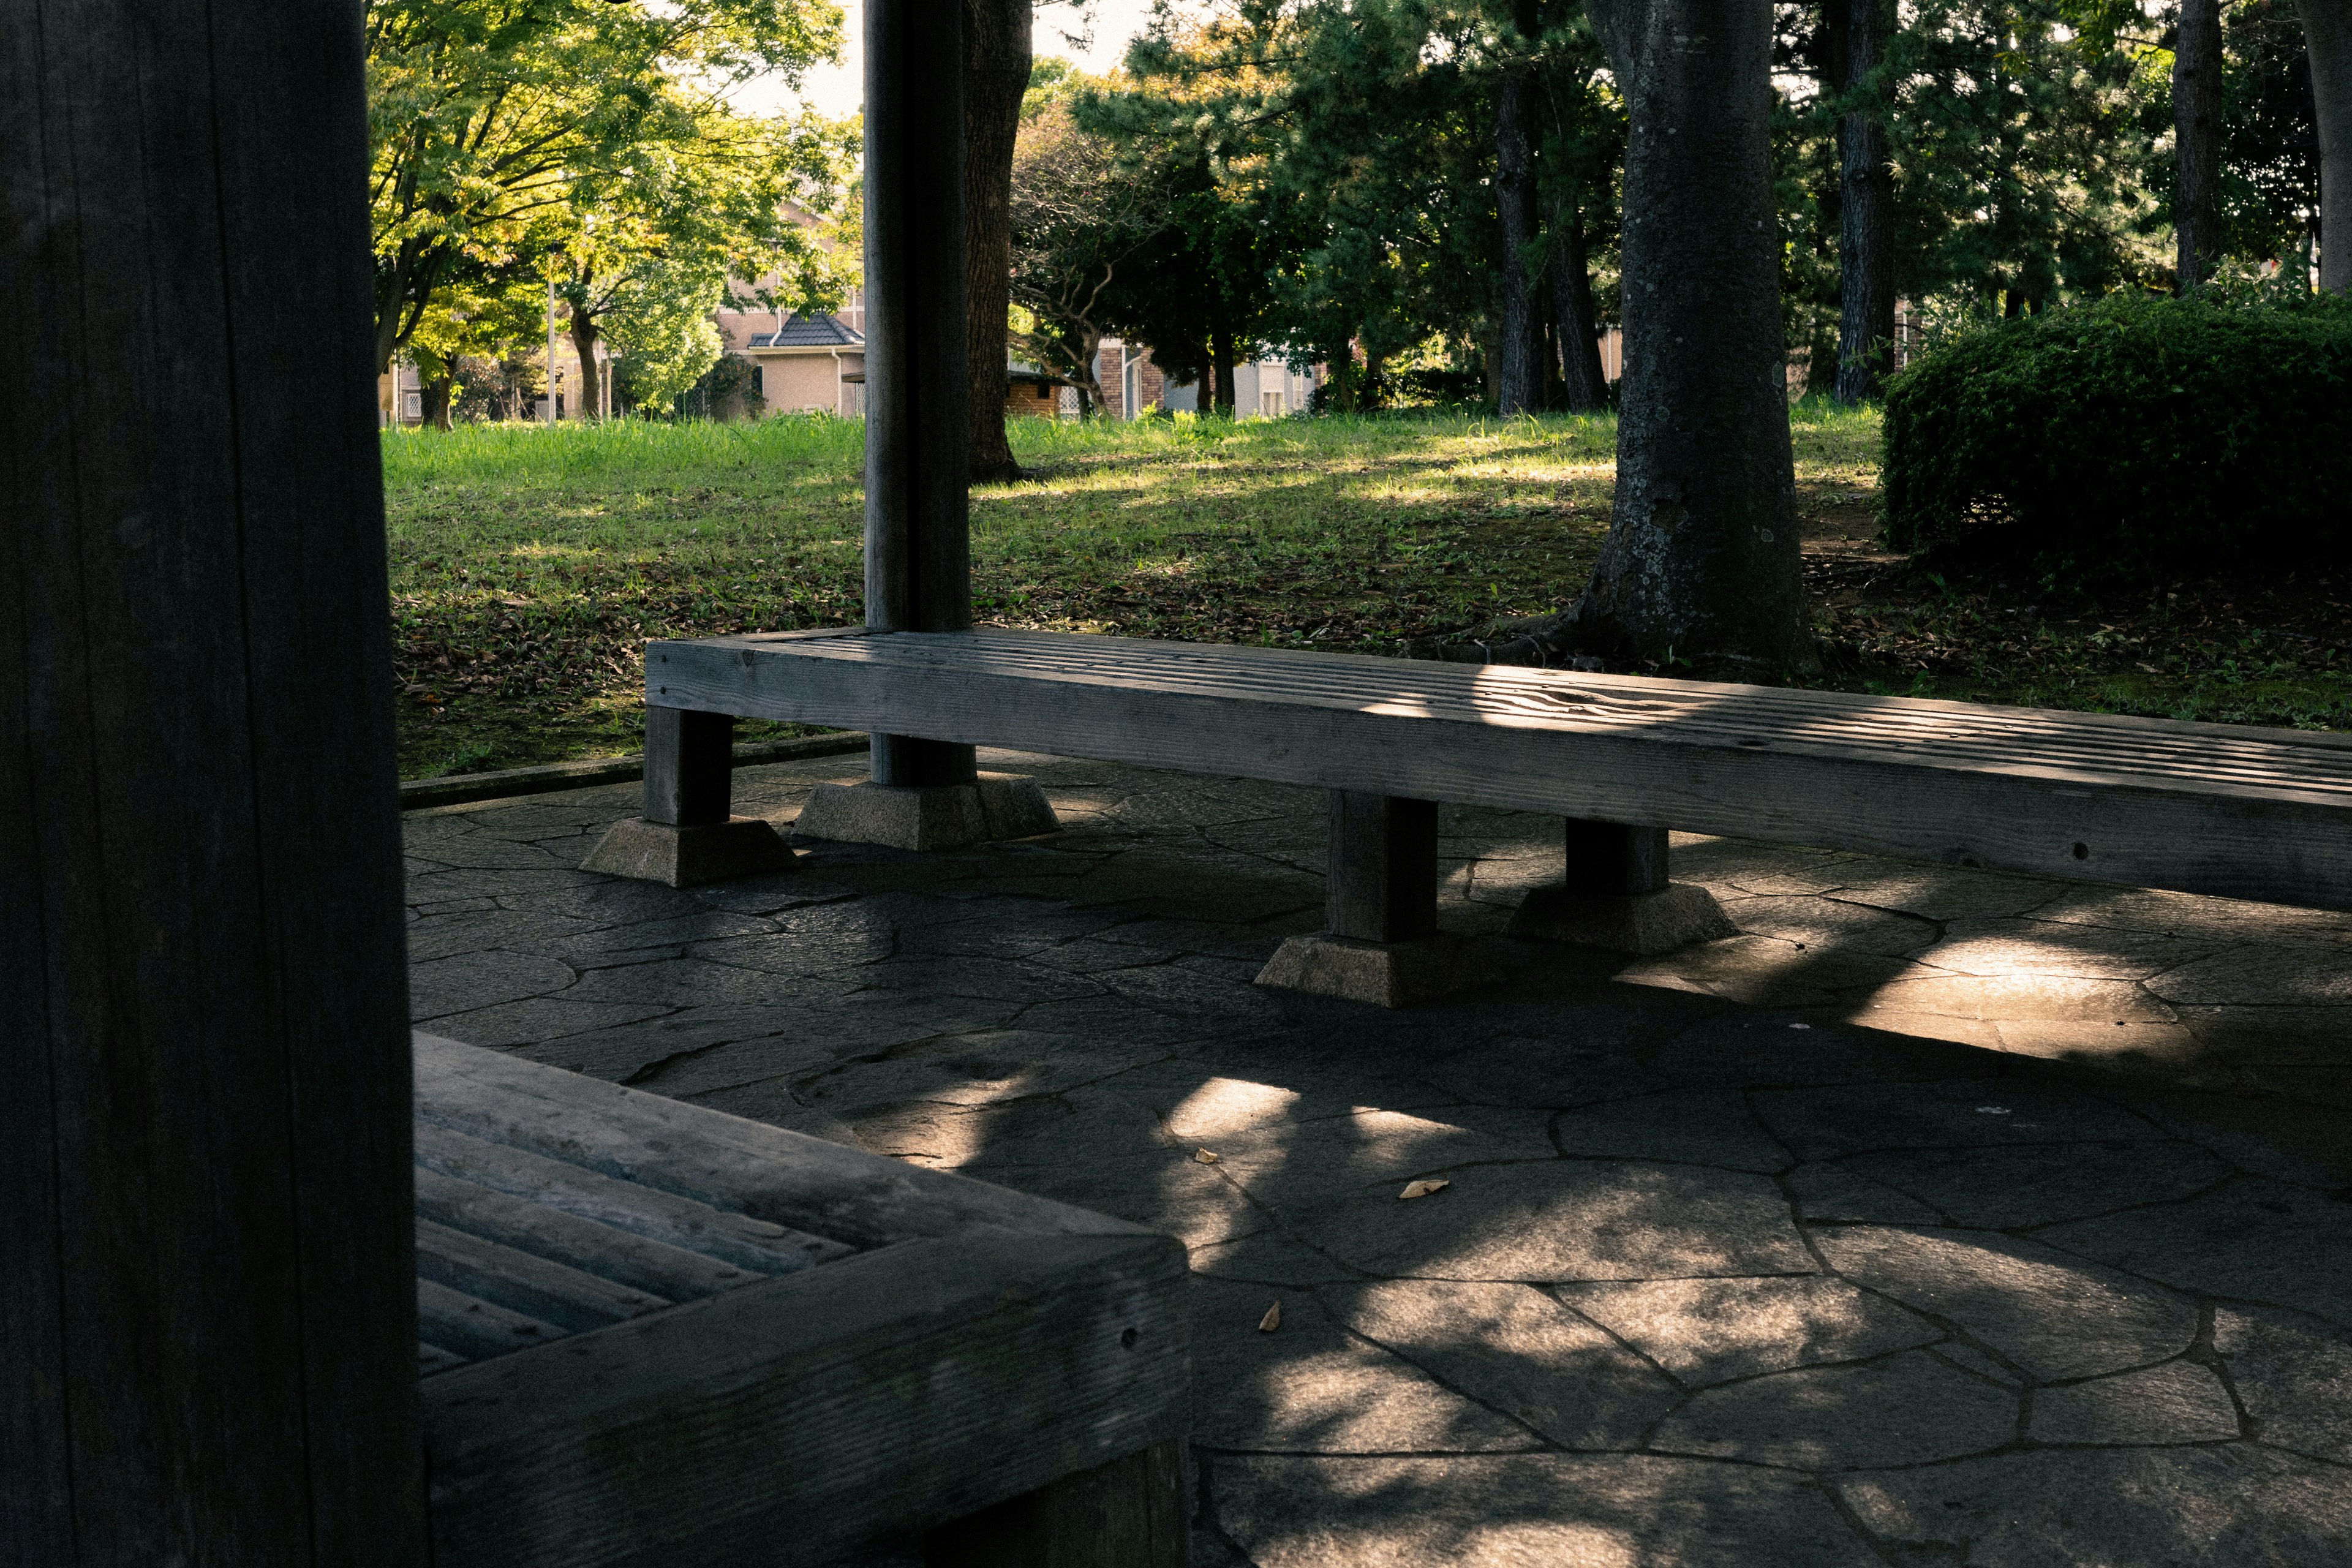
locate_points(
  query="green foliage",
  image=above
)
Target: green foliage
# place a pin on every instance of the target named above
(500, 126)
(2131, 440)
(660, 328)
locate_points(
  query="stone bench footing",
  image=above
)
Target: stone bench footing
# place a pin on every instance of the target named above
(1385, 973)
(930, 816)
(1670, 918)
(690, 856)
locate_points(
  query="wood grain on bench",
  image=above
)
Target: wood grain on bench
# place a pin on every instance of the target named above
(654, 1332)
(2238, 811)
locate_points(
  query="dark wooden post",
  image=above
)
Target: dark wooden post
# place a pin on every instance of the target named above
(1380, 941)
(1618, 894)
(923, 793)
(1382, 881)
(207, 1311)
(1612, 860)
(686, 835)
(918, 393)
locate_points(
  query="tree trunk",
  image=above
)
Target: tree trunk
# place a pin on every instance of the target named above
(1518, 384)
(1586, 388)
(1866, 215)
(436, 400)
(584, 333)
(2328, 34)
(996, 66)
(1701, 558)
(1223, 353)
(2197, 143)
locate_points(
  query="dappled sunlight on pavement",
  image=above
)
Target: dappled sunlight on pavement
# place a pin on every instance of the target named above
(1938, 1217)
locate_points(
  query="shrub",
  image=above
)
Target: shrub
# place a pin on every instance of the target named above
(2131, 440)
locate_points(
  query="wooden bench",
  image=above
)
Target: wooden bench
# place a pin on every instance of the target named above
(655, 1334)
(2202, 808)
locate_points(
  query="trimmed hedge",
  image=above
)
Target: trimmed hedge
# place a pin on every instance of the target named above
(2132, 440)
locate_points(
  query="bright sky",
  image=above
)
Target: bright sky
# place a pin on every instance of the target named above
(1093, 33)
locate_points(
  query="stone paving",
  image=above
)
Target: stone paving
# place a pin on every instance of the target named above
(1940, 1217)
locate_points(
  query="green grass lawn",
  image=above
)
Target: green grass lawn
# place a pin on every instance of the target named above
(530, 567)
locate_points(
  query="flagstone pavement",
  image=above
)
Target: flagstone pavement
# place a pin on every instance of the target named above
(1940, 1217)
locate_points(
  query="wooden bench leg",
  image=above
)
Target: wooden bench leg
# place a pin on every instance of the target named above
(688, 836)
(926, 795)
(1128, 1513)
(1619, 894)
(1379, 941)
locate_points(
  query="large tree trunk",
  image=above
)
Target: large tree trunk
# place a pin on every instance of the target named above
(584, 333)
(1519, 373)
(2197, 143)
(437, 392)
(1866, 213)
(996, 74)
(2328, 34)
(1222, 350)
(1586, 388)
(1701, 557)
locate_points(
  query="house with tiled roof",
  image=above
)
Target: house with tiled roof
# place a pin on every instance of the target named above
(800, 363)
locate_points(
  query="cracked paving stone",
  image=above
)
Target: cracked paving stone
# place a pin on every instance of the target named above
(2295, 1374)
(1570, 1220)
(1937, 894)
(1909, 1409)
(1825, 1190)
(447, 935)
(1766, 971)
(666, 937)
(1514, 1350)
(1707, 1332)
(2033, 1185)
(2194, 915)
(2054, 1315)
(1812, 923)
(1742, 1048)
(466, 981)
(1311, 1387)
(2178, 1402)
(622, 1053)
(976, 1069)
(1987, 948)
(479, 852)
(2229, 1506)
(1269, 1258)
(1372, 1151)
(1696, 1126)
(1505, 1510)
(695, 982)
(2254, 1240)
(537, 1020)
(1828, 1124)
(2267, 976)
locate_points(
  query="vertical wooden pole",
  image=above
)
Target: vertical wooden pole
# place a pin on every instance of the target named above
(689, 766)
(917, 425)
(208, 1310)
(1382, 881)
(1611, 859)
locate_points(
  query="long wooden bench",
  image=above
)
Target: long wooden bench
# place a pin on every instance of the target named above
(2203, 808)
(652, 1334)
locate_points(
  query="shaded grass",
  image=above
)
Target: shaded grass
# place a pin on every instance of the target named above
(530, 567)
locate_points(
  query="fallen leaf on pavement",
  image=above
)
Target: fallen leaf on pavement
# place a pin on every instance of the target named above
(1272, 1320)
(1422, 1189)
(1204, 1157)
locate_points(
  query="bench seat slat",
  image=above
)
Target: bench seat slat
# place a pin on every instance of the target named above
(758, 1246)
(747, 1168)
(474, 1330)
(2241, 812)
(623, 1256)
(540, 1287)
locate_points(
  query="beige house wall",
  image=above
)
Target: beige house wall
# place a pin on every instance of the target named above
(793, 381)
